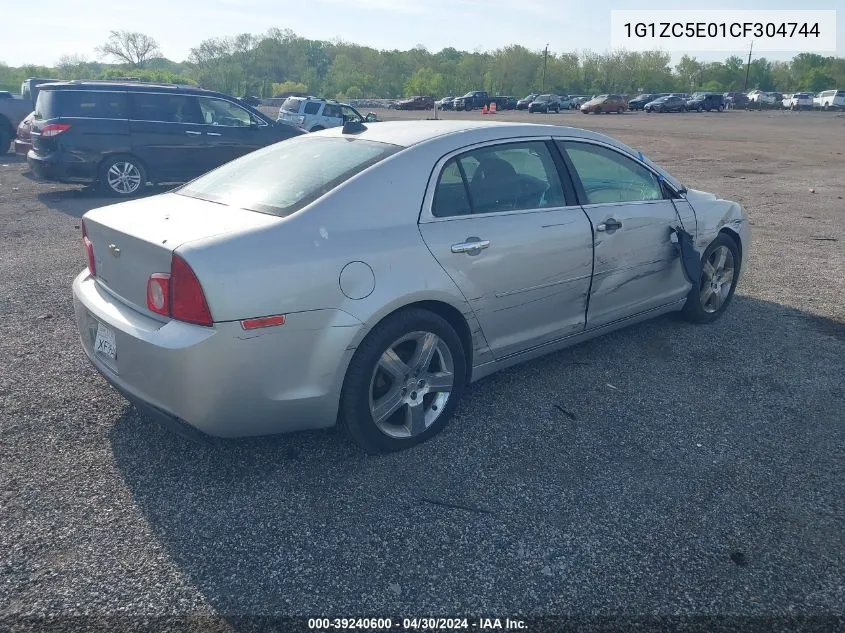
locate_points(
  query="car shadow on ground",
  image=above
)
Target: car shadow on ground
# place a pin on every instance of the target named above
(666, 467)
(76, 201)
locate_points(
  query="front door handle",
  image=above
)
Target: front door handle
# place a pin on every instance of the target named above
(192, 132)
(214, 133)
(471, 246)
(609, 225)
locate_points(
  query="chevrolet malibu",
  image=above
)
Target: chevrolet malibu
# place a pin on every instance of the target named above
(365, 275)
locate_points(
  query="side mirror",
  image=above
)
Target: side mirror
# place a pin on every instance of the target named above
(371, 117)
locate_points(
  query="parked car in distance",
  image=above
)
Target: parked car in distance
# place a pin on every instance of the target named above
(830, 99)
(670, 103)
(446, 103)
(565, 102)
(12, 112)
(250, 100)
(605, 104)
(638, 102)
(799, 101)
(708, 101)
(124, 135)
(736, 99)
(473, 100)
(191, 323)
(579, 100)
(313, 115)
(545, 103)
(757, 99)
(29, 88)
(504, 102)
(523, 103)
(415, 103)
(23, 138)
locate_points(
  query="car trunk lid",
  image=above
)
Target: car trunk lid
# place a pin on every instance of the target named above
(135, 239)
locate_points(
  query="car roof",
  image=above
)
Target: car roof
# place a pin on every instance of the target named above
(408, 133)
(129, 86)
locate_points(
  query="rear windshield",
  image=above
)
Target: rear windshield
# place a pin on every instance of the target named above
(291, 105)
(52, 104)
(285, 177)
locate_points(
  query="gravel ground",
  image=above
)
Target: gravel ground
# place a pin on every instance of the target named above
(663, 470)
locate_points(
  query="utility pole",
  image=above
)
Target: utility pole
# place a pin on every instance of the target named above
(748, 67)
(545, 61)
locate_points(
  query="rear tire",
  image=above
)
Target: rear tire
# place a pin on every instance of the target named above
(708, 299)
(5, 142)
(123, 176)
(403, 383)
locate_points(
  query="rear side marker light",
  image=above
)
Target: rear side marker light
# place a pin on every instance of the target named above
(54, 129)
(260, 322)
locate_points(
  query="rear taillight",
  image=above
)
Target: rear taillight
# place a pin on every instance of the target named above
(89, 251)
(187, 300)
(178, 295)
(54, 129)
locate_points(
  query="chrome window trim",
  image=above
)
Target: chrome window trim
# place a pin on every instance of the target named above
(427, 215)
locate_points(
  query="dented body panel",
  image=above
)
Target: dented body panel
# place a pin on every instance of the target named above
(714, 215)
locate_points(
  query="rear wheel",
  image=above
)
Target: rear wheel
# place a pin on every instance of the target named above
(403, 382)
(122, 176)
(5, 141)
(719, 273)
(701, 108)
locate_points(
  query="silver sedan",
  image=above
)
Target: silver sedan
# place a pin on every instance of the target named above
(365, 275)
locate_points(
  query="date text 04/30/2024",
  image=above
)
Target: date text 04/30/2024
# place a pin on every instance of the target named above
(416, 624)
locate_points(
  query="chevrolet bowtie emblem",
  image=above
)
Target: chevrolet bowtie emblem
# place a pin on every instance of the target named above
(114, 250)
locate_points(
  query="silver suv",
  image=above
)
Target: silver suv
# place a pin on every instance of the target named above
(314, 114)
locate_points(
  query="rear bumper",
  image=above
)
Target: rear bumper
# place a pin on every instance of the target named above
(223, 381)
(22, 147)
(59, 167)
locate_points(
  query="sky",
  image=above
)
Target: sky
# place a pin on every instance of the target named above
(78, 26)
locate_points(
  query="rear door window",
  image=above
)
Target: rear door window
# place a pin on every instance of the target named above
(331, 110)
(312, 107)
(165, 107)
(91, 104)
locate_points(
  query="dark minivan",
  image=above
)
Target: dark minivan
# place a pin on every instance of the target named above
(124, 135)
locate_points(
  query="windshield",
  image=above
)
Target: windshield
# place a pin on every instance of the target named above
(291, 104)
(285, 177)
(641, 97)
(699, 95)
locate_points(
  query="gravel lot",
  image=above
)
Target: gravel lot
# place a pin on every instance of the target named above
(663, 470)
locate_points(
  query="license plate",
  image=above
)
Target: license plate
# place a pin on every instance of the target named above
(104, 342)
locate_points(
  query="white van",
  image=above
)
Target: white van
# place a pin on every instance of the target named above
(828, 99)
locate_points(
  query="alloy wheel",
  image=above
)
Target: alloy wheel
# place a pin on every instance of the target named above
(124, 177)
(411, 384)
(716, 279)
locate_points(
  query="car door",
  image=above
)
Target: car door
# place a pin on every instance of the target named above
(498, 221)
(637, 267)
(166, 133)
(231, 131)
(332, 116)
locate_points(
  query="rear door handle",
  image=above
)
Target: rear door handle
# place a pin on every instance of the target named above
(472, 246)
(609, 225)
(192, 132)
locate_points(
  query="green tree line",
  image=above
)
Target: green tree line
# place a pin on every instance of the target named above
(281, 61)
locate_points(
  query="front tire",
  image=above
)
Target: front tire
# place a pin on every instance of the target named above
(403, 382)
(708, 300)
(122, 176)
